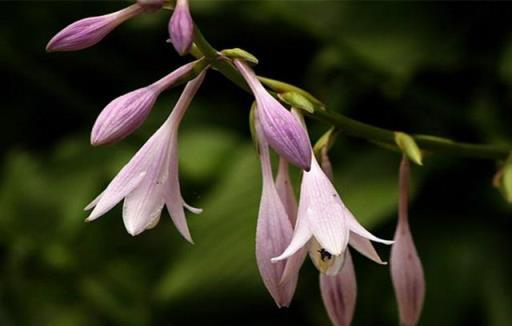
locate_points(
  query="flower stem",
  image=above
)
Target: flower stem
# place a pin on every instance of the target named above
(353, 127)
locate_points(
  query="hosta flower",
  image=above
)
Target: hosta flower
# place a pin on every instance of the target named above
(181, 27)
(406, 269)
(339, 290)
(89, 31)
(281, 129)
(339, 294)
(150, 180)
(273, 233)
(126, 113)
(322, 216)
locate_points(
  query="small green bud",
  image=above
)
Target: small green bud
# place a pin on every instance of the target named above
(238, 53)
(298, 101)
(409, 147)
(325, 141)
(282, 87)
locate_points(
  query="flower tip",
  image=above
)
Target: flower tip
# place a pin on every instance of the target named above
(49, 47)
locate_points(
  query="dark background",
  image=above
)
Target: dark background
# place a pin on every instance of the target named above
(436, 68)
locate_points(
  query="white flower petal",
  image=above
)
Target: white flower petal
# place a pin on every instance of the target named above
(365, 247)
(192, 209)
(357, 228)
(142, 207)
(114, 194)
(301, 236)
(324, 212)
(93, 203)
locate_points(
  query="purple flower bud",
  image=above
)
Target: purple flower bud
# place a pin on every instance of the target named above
(151, 4)
(181, 27)
(406, 269)
(339, 294)
(282, 130)
(126, 113)
(273, 233)
(89, 31)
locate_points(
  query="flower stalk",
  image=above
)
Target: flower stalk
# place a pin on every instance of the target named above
(353, 127)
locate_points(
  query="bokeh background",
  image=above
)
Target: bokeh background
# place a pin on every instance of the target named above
(437, 68)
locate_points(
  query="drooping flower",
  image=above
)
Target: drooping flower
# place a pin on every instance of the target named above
(406, 268)
(339, 291)
(150, 180)
(125, 114)
(323, 216)
(181, 27)
(273, 233)
(339, 294)
(281, 129)
(89, 31)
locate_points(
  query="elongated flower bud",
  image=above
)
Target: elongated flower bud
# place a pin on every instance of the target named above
(181, 27)
(281, 129)
(89, 31)
(126, 113)
(339, 294)
(406, 269)
(273, 233)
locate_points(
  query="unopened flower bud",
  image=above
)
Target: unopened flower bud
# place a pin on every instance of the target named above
(126, 113)
(406, 269)
(89, 31)
(409, 147)
(281, 129)
(273, 233)
(181, 27)
(339, 294)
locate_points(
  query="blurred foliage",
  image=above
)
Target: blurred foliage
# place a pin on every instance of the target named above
(438, 68)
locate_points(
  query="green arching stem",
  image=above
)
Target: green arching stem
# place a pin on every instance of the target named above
(353, 127)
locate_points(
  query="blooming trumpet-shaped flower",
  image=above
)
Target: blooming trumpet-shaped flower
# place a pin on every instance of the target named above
(339, 291)
(406, 269)
(273, 233)
(323, 217)
(126, 113)
(181, 27)
(281, 129)
(150, 180)
(89, 31)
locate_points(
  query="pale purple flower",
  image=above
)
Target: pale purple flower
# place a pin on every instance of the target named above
(281, 129)
(323, 217)
(150, 180)
(285, 190)
(89, 31)
(181, 27)
(126, 113)
(273, 233)
(406, 269)
(339, 293)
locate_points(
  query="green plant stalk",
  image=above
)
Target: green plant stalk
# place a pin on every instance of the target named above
(353, 127)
